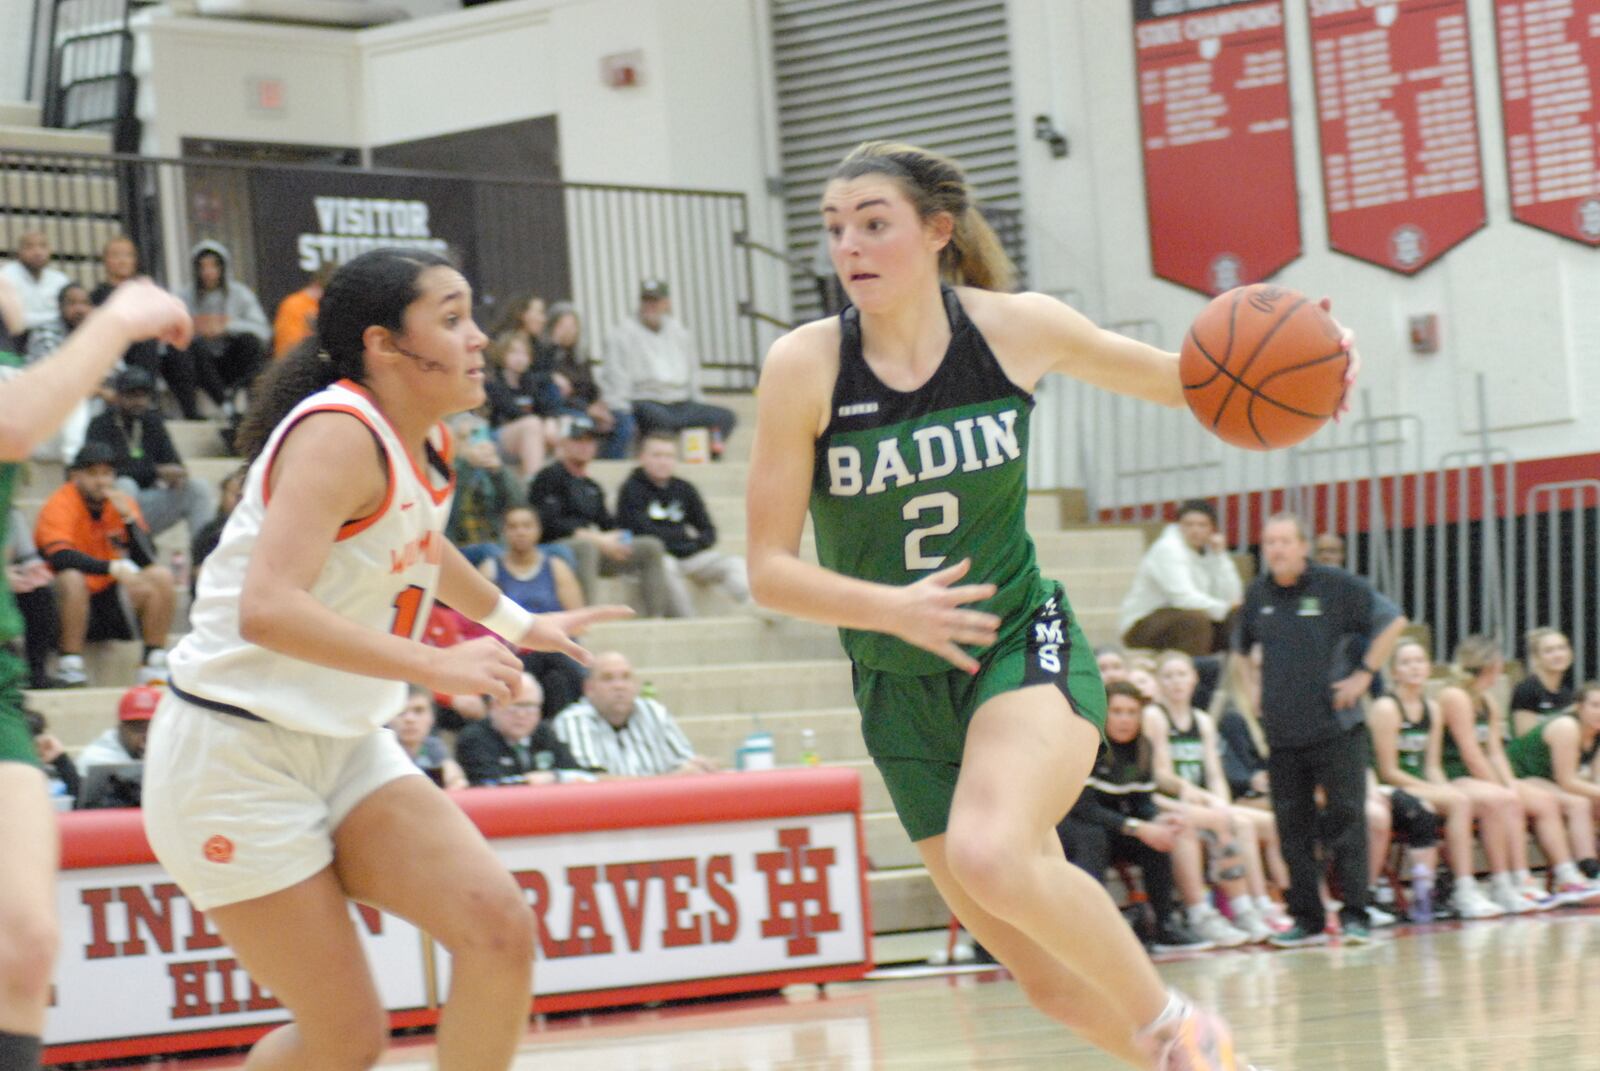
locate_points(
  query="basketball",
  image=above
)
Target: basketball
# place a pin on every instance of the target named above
(1262, 367)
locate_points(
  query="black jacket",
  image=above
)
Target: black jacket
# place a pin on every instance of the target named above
(487, 759)
(1121, 786)
(566, 502)
(138, 462)
(674, 514)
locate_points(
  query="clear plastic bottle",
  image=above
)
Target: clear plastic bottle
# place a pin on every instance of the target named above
(1421, 894)
(808, 748)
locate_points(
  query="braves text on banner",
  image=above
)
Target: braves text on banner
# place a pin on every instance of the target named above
(1220, 187)
(308, 219)
(615, 909)
(644, 906)
(1399, 128)
(1549, 65)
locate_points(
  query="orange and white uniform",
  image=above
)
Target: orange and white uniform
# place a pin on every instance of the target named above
(255, 757)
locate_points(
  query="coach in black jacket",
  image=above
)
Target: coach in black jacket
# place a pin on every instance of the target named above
(513, 746)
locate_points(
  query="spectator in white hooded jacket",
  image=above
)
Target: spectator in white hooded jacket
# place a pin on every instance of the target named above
(1186, 590)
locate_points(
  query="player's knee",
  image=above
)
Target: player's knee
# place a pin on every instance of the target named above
(27, 958)
(363, 1045)
(985, 865)
(158, 577)
(70, 581)
(499, 926)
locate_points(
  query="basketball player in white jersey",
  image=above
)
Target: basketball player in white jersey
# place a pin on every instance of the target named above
(273, 794)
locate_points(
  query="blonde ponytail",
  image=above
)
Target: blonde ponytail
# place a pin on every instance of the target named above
(935, 184)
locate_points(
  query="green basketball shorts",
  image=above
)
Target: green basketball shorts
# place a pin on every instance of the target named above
(16, 742)
(916, 726)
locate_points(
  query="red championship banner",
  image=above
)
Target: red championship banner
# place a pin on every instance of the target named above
(1218, 148)
(1399, 124)
(643, 890)
(1549, 65)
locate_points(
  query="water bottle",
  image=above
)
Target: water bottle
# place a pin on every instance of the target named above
(808, 748)
(1421, 895)
(180, 569)
(647, 690)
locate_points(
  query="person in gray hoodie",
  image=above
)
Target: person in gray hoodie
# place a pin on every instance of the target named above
(230, 338)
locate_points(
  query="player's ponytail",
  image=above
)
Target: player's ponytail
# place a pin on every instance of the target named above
(935, 184)
(374, 289)
(1474, 654)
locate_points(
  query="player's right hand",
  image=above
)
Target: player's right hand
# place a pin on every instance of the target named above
(146, 311)
(930, 614)
(483, 666)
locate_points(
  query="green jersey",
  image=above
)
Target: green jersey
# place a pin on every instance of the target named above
(1412, 741)
(1450, 755)
(10, 616)
(1187, 748)
(1529, 754)
(907, 483)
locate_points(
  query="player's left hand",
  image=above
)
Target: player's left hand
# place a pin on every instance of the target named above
(1347, 339)
(1348, 692)
(555, 631)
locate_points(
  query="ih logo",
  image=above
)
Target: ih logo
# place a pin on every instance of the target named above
(797, 906)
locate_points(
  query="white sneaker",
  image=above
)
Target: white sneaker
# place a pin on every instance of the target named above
(1510, 900)
(1250, 921)
(1378, 918)
(1470, 903)
(1214, 928)
(70, 672)
(1535, 894)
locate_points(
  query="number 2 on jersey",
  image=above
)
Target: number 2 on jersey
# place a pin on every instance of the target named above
(949, 507)
(406, 605)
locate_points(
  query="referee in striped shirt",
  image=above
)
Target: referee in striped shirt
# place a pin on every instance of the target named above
(615, 731)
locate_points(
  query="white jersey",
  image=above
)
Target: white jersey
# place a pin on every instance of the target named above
(381, 572)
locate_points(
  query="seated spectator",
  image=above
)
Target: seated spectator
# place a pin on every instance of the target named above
(125, 742)
(651, 367)
(59, 768)
(413, 727)
(654, 501)
(485, 489)
(1328, 549)
(95, 540)
(147, 463)
(539, 583)
(36, 283)
(1547, 689)
(1115, 820)
(514, 746)
(1112, 662)
(230, 336)
(296, 318)
(1186, 589)
(520, 400)
(229, 491)
(572, 511)
(35, 597)
(616, 731)
(119, 262)
(573, 378)
(44, 340)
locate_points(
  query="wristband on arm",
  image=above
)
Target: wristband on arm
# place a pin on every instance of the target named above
(508, 620)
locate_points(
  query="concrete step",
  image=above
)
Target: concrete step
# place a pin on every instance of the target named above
(719, 736)
(753, 687)
(198, 438)
(905, 899)
(888, 846)
(57, 192)
(718, 478)
(41, 139)
(77, 715)
(18, 113)
(73, 239)
(711, 641)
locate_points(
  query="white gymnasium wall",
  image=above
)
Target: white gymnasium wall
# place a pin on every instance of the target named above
(1514, 303)
(16, 22)
(698, 118)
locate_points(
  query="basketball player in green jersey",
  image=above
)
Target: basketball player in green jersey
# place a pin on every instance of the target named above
(33, 403)
(903, 425)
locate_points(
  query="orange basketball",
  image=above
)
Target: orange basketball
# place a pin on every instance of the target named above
(1262, 367)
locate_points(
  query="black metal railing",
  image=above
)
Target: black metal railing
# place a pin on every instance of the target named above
(585, 242)
(89, 79)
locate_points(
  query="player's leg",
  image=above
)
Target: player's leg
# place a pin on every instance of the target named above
(1049, 984)
(154, 600)
(1544, 810)
(301, 944)
(28, 936)
(408, 850)
(1380, 834)
(72, 596)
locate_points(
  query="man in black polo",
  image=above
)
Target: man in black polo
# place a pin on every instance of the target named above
(1323, 633)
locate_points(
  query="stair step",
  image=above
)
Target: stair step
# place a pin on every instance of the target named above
(18, 113)
(905, 900)
(754, 687)
(710, 641)
(42, 139)
(57, 192)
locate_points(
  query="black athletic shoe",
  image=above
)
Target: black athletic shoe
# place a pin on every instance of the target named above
(1297, 936)
(1174, 935)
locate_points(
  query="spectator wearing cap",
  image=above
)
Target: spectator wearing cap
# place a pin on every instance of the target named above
(35, 281)
(94, 538)
(655, 501)
(148, 465)
(572, 511)
(1186, 588)
(651, 368)
(515, 744)
(125, 742)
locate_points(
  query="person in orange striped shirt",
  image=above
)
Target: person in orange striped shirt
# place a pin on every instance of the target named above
(95, 539)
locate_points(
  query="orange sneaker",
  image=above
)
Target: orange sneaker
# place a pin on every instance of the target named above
(1191, 1039)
